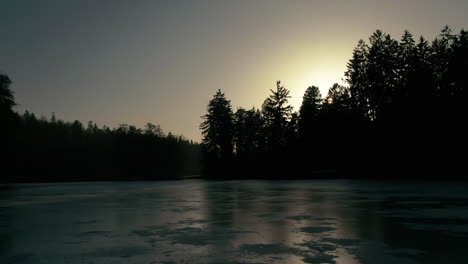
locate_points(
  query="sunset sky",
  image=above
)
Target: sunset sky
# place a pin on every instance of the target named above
(161, 61)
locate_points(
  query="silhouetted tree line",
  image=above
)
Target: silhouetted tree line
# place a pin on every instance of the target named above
(40, 149)
(400, 115)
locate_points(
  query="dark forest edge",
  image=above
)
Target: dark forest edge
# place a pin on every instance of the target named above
(51, 150)
(400, 116)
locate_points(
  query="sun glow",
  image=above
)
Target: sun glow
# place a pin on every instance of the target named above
(320, 66)
(323, 78)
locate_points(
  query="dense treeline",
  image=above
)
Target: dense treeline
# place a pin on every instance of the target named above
(37, 149)
(400, 115)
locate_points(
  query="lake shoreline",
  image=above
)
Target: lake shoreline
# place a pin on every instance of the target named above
(319, 176)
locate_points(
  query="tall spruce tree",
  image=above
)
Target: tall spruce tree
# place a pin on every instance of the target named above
(277, 112)
(248, 131)
(382, 73)
(7, 100)
(309, 110)
(218, 133)
(356, 77)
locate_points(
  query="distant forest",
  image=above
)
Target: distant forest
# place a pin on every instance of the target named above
(400, 115)
(40, 149)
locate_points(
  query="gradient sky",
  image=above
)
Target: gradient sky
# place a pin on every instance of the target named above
(161, 61)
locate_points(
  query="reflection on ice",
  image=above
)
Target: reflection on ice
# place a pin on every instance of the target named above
(234, 222)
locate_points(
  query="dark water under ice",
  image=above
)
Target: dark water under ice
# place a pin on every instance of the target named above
(196, 221)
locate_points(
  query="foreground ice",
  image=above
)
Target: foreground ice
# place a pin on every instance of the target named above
(196, 221)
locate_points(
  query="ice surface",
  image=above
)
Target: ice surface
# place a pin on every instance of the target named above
(196, 221)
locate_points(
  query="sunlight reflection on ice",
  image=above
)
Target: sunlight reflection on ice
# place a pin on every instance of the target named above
(194, 221)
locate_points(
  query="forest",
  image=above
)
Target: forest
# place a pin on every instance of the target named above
(43, 150)
(400, 115)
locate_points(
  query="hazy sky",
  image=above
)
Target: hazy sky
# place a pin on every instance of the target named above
(161, 61)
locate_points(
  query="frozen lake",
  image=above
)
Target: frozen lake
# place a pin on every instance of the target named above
(196, 221)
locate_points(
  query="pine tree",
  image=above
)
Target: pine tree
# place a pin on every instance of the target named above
(7, 100)
(356, 77)
(218, 127)
(277, 113)
(382, 73)
(406, 59)
(248, 131)
(309, 110)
